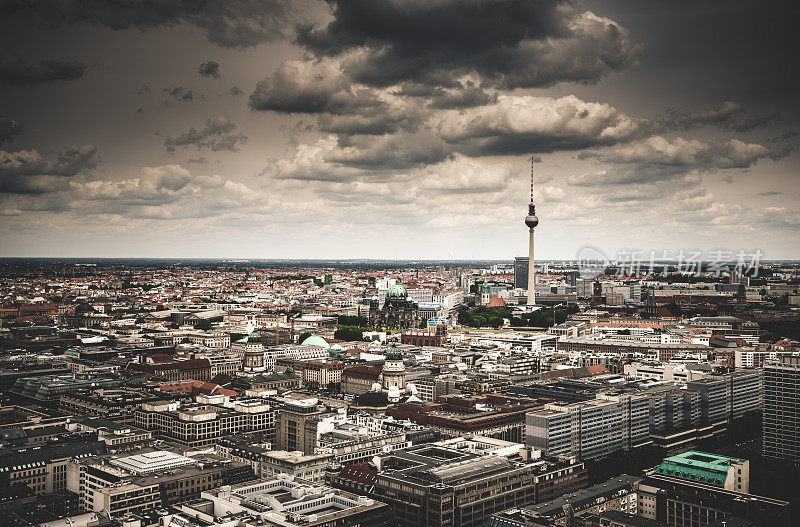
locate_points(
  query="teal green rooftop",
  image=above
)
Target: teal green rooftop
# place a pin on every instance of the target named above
(700, 467)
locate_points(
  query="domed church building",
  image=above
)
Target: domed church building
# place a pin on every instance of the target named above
(397, 312)
(392, 387)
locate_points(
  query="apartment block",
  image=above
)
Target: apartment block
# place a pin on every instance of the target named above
(781, 422)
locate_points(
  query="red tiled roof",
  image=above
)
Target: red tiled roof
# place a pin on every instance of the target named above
(191, 364)
(597, 369)
(362, 372)
(359, 472)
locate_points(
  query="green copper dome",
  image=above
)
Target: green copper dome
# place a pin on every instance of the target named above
(315, 340)
(393, 353)
(255, 336)
(397, 291)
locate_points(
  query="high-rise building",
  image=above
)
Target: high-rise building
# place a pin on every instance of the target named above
(589, 429)
(782, 409)
(521, 272)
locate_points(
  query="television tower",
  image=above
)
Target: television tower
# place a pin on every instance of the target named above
(531, 221)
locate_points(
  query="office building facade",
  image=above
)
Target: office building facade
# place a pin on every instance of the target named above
(781, 417)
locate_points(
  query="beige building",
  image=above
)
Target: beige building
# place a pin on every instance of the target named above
(310, 467)
(302, 419)
(198, 425)
(44, 468)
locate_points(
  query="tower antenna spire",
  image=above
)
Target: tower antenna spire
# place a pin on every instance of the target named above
(532, 162)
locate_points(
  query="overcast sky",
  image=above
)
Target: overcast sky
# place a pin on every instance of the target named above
(396, 129)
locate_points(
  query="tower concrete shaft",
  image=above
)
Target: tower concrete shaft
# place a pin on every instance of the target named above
(531, 272)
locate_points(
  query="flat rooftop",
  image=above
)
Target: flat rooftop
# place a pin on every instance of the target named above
(152, 462)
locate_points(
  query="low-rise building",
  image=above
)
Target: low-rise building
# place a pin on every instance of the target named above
(710, 469)
(198, 425)
(117, 437)
(44, 468)
(616, 494)
(309, 467)
(437, 485)
(282, 501)
(149, 480)
(684, 502)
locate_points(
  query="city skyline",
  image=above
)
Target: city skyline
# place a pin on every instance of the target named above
(396, 130)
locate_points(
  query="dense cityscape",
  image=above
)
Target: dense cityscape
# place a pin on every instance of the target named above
(262, 393)
(399, 263)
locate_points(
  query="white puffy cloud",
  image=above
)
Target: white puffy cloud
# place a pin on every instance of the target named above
(525, 124)
(163, 192)
(681, 152)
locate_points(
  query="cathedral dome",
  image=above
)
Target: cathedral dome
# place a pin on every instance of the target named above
(255, 336)
(394, 354)
(397, 291)
(315, 340)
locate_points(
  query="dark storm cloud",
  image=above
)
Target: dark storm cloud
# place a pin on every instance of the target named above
(236, 91)
(418, 136)
(27, 172)
(179, 93)
(444, 53)
(392, 152)
(659, 159)
(343, 108)
(770, 193)
(464, 98)
(510, 43)
(729, 116)
(9, 128)
(71, 161)
(18, 71)
(376, 123)
(231, 23)
(311, 87)
(418, 89)
(219, 133)
(209, 69)
(790, 134)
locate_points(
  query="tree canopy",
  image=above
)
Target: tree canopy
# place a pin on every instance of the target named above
(484, 316)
